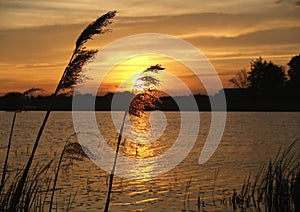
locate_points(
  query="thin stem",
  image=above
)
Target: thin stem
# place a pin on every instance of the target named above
(114, 165)
(19, 189)
(57, 172)
(7, 152)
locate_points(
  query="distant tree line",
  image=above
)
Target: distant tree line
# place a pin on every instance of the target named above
(269, 80)
(266, 86)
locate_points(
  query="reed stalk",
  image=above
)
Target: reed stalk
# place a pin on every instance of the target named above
(34, 193)
(7, 152)
(72, 150)
(18, 108)
(146, 97)
(57, 171)
(70, 77)
(111, 177)
(276, 187)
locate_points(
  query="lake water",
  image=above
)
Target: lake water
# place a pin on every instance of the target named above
(249, 140)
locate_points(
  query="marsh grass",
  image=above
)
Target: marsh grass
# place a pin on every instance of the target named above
(4, 171)
(73, 151)
(34, 195)
(24, 187)
(145, 97)
(275, 187)
(18, 108)
(70, 77)
(186, 196)
(41, 184)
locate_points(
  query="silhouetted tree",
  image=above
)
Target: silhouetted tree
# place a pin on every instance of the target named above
(294, 75)
(240, 79)
(12, 101)
(266, 78)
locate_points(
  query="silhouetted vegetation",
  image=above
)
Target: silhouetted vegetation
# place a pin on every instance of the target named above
(145, 95)
(32, 197)
(71, 75)
(238, 99)
(266, 87)
(268, 80)
(71, 150)
(18, 98)
(293, 84)
(275, 187)
(240, 79)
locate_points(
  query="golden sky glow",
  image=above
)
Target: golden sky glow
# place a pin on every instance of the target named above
(123, 76)
(37, 37)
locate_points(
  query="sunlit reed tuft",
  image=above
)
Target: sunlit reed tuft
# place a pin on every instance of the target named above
(147, 95)
(145, 91)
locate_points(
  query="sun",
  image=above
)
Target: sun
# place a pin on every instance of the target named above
(136, 84)
(124, 76)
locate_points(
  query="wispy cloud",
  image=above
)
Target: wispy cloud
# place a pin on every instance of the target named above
(275, 3)
(26, 13)
(297, 3)
(273, 37)
(36, 37)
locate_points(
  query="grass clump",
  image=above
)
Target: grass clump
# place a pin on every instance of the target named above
(35, 192)
(276, 187)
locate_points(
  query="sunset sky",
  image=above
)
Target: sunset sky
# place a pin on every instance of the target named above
(37, 37)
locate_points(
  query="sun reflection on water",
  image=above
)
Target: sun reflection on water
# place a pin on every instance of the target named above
(143, 136)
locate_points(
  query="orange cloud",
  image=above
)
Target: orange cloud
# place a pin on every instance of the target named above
(37, 38)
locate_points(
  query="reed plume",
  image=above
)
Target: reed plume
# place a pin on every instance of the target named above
(79, 58)
(147, 95)
(33, 92)
(147, 100)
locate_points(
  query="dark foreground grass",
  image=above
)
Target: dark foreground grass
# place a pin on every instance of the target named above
(275, 187)
(34, 194)
(40, 186)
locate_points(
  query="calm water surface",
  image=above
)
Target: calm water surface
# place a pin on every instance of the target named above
(250, 139)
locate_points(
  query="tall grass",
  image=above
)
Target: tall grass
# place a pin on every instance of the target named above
(111, 177)
(276, 187)
(4, 171)
(70, 77)
(33, 196)
(18, 108)
(186, 196)
(146, 97)
(39, 182)
(71, 150)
